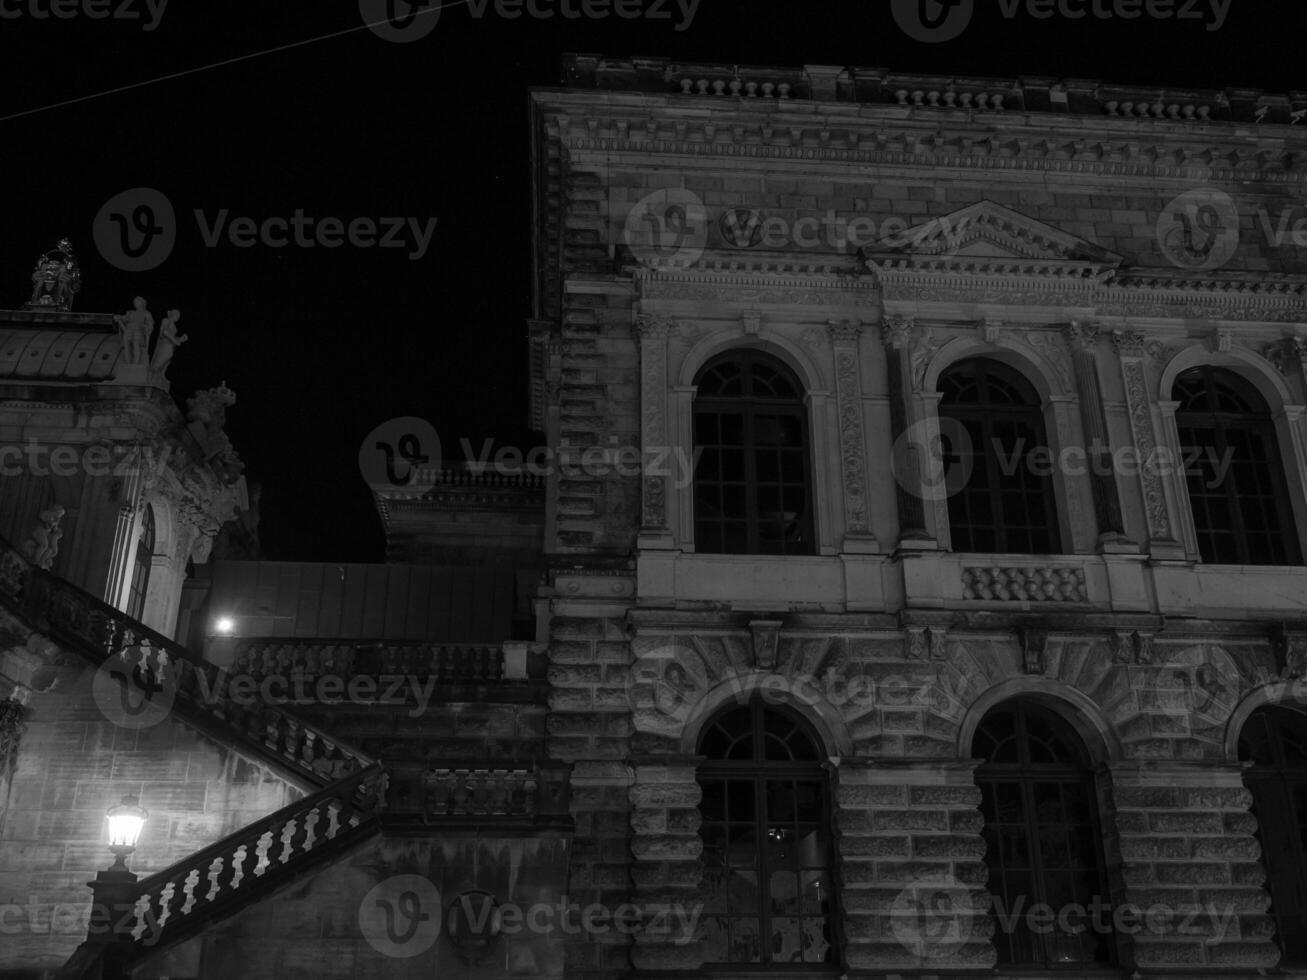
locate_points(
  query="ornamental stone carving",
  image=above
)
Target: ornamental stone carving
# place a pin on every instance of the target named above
(844, 334)
(1141, 421)
(766, 639)
(1034, 652)
(1047, 583)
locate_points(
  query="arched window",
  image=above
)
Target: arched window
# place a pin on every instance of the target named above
(141, 565)
(1042, 839)
(769, 896)
(1007, 503)
(752, 484)
(1274, 740)
(1236, 483)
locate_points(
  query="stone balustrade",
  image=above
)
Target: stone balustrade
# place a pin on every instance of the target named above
(198, 691)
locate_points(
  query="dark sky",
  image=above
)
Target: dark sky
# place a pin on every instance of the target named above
(322, 345)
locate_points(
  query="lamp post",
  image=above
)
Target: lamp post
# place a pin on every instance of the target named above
(113, 892)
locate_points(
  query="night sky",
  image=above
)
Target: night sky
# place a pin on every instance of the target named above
(321, 345)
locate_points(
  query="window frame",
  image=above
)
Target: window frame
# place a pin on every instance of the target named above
(750, 405)
(1027, 774)
(759, 772)
(1279, 771)
(138, 585)
(1031, 413)
(1260, 422)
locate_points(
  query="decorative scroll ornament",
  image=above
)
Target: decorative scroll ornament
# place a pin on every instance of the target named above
(1082, 335)
(766, 640)
(1034, 651)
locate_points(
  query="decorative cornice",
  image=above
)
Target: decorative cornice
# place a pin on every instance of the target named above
(652, 326)
(979, 150)
(758, 282)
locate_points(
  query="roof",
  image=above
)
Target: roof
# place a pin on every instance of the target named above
(835, 83)
(58, 345)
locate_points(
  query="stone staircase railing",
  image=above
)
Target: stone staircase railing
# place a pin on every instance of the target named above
(446, 663)
(172, 905)
(197, 691)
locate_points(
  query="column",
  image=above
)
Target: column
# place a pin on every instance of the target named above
(1194, 890)
(1083, 340)
(1162, 541)
(668, 869)
(914, 878)
(652, 331)
(858, 536)
(897, 334)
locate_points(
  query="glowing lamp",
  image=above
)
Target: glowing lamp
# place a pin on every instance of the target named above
(125, 823)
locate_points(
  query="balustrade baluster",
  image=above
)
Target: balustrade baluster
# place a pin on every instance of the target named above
(188, 889)
(238, 866)
(306, 749)
(215, 872)
(261, 850)
(166, 895)
(140, 921)
(287, 839)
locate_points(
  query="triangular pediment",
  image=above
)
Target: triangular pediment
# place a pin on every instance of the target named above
(991, 231)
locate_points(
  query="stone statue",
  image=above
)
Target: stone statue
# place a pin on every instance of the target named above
(207, 414)
(56, 279)
(168, 342)
(135, 327)
(207, 411)
(43, 544)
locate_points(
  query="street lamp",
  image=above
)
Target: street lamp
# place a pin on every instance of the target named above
(126, 821)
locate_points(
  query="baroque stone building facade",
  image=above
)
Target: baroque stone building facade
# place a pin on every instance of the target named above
(921, 584)
(856, 293)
